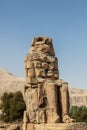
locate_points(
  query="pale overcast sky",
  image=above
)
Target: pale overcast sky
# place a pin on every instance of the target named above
(65, 21)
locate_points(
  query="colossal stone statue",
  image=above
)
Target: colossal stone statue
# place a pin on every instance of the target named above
(46, 96)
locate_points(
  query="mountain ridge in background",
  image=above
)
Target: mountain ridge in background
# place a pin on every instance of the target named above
(11, 83)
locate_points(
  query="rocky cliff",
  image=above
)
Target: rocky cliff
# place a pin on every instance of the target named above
(78, 97)
(11, 83)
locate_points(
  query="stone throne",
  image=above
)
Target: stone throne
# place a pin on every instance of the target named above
(46, 96)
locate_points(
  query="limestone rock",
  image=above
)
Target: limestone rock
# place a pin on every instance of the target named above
(78, 97)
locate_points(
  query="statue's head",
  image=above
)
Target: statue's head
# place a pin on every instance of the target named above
(41, 40)
(42, 44)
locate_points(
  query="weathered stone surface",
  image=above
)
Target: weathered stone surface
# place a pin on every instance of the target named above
(45, 95)
(58, 126)
(45, 65)
(31, 80)
(40, 73)
(42, 45)
(28, 64)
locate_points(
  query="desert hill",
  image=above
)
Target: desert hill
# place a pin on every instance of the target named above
(11, 83)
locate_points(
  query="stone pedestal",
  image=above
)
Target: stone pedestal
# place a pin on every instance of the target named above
(58, 126)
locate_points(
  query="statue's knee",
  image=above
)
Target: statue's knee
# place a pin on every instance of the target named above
(64, 86)
(49, 83)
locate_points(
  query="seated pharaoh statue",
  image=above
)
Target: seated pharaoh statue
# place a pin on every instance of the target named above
(46, 96)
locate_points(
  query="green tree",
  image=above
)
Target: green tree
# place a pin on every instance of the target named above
(78, 113)
(12, 106)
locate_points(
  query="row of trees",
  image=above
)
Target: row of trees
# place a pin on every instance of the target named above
(12, 106)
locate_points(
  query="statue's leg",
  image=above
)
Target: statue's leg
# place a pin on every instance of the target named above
(25, 120)
(64, 95)
(52, 115)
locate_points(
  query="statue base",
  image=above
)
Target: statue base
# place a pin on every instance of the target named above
(56, 126)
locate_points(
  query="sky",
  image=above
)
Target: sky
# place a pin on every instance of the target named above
(65, 21)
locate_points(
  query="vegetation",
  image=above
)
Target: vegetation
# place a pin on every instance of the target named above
(12, 106)
(79, 113)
